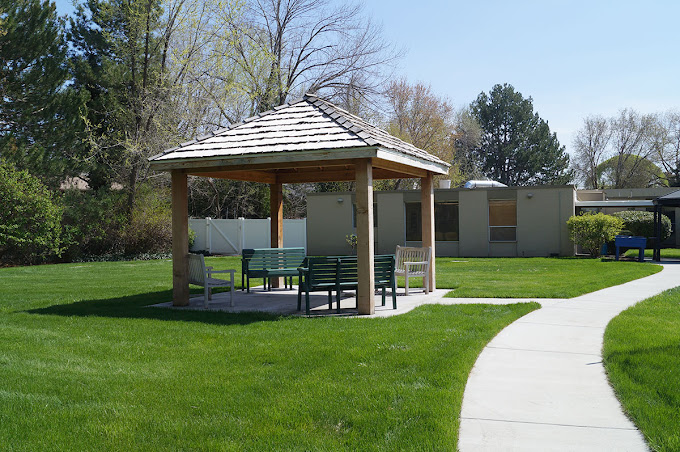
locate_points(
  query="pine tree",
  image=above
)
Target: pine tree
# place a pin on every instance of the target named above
(517, 147)
(39, 119)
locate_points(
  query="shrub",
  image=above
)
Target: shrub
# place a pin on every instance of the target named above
(192, 237)
(30, 218)
(93, 221)
(642, 223)
(591, 231)
(150, 227)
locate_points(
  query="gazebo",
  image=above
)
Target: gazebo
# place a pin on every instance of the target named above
(308, 140)
(669, 200)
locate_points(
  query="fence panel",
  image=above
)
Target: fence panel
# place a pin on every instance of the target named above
(230, 236)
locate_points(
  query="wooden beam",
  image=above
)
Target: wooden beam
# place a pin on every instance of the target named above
(364, 197)
(379, 173)
(180, 239)
(249, 176)
(427, 211)
(400, 168)
(276, 215)
(321, 175)
(261, 162)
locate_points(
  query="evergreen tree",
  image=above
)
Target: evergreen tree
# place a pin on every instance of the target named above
(39, 119)
(517, 147)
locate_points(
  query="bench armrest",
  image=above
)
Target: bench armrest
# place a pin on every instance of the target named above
(210, 271)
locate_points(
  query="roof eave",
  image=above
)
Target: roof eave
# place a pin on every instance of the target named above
(411, 160)
(320, 155)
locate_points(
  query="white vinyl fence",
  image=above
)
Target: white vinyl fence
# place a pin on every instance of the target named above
(231, 236)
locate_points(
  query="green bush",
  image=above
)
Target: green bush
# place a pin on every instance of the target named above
(30, 218)
(192, 237)
(150, 227)
(591, 231)
(642, 223)
(93, 221)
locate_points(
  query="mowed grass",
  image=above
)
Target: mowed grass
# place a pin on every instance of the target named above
(668, 253)
(534, 277)
(642, 359)
(85, 365)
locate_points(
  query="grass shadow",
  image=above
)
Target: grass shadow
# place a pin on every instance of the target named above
(138, 307)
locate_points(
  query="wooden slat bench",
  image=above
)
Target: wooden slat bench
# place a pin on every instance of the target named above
(267, 263)
(200, 275)
(413, 262)
(340, 273)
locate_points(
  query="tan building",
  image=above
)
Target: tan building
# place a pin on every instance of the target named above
(479, 222)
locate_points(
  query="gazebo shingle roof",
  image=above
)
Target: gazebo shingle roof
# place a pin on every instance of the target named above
(310, 123)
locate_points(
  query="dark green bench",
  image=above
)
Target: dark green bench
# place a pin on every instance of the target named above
(340, 273)
(268, 263)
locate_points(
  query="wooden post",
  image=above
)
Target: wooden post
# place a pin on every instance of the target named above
(427, 212)
(364, 187)
(276, 224)
(180, 239)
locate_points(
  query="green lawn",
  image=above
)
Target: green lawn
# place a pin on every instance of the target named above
(534, 277)
(515, 277)
(642, 358)
(85, 365)
(669, 253)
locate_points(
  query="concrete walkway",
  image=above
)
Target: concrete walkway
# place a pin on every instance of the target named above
(540, 384)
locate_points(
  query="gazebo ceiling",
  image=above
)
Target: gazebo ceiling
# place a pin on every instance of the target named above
(309, 140)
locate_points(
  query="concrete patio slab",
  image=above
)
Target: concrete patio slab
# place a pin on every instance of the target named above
(284, 302)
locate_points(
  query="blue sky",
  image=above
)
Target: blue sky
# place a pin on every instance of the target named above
(574, 58)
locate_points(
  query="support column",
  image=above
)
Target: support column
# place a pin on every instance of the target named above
(364, 189)
(427, 212)
(656, 255)
(276, 215)
(180, 239)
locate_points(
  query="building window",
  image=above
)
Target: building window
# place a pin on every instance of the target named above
(375, 215)
(445, 222)
(413, 226)
(503, 221)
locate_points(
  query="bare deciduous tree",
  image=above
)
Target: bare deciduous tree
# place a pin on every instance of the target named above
(621, 151)
(418, 116)
(591, 144)
(632, 144)
(667, 145)
(293, 46)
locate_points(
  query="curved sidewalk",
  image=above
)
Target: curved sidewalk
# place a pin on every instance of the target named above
(540, 384)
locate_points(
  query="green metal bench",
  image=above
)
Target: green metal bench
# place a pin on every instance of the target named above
(340, 273)
(267, 263)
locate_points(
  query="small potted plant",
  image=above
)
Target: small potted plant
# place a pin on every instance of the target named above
(351, 240)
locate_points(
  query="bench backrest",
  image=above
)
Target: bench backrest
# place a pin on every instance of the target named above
(196, 269)
(272, 258)
(383, 268)
(322, 270)
(412, 254)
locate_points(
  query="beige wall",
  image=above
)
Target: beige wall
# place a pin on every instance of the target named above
(391, 227)
(328, 222)
(473, 223)
(541, 221)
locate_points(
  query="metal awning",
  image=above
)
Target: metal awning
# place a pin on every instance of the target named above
(617, 203)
